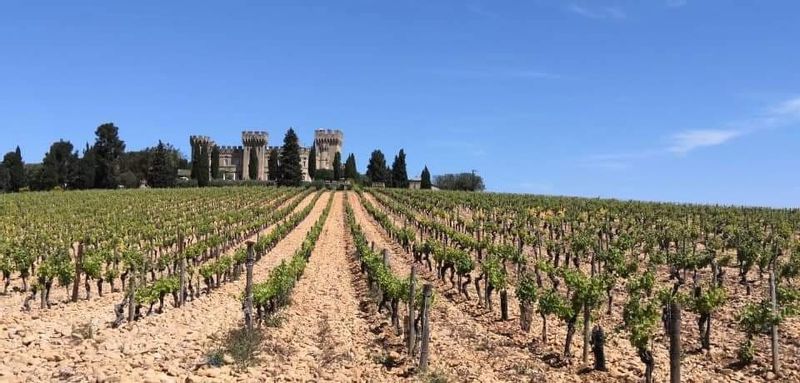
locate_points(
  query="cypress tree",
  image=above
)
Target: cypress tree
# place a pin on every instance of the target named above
(161, 173)
(350, 171)
(312, 162)
(108, 148)
(399, 173)
(290, 172)
(337, 166)
(252, 169)
(195, 154)
(214, 162)
(84, 170)
(15, 169)
(202, 166)
(377, 170)
(272, 165)
(425, 178)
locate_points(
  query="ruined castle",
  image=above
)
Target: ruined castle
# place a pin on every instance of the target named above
(234, 161)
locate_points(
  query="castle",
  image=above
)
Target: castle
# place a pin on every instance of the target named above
(234, 161)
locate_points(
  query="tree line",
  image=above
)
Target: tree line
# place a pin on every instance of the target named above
(396, 176)
(106, 165)
(103, 165)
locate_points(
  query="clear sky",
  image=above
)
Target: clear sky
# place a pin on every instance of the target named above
(695, 100)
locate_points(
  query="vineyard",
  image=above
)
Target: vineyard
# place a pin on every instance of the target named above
(298, 284)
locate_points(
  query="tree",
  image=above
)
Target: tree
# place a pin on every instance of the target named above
(58, 165)
(84, 170)
(312, 162)
(128, 179)
(252, 167)
(324, 175)
(161, 173)
(377, 170)
(399, 173)
(214, 161)
(290, 172)
(195, 154)
(108, 148)
(3, 177)
(272, 165)
(136, 163)
(460, 181)
(337, 166)
(34, 177)
(350, 170)
(202, 166)
(13, 164)
(426, 178)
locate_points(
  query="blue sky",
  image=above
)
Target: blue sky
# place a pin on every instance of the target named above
(691, 100)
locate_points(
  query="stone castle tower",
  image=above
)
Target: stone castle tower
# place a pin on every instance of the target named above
(202, 141)
(257, 142)
(328, 143)
(234, 161)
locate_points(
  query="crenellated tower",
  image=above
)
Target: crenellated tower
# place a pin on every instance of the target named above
(327, 142)
(254, 141)
(197, 142)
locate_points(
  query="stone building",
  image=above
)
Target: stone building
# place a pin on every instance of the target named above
(234, 161)
(327, 142)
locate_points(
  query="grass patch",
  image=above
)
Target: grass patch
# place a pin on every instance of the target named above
(274, 320)
(239, 347)
(435, 377)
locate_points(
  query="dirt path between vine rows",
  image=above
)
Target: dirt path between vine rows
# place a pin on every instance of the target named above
(322, 335)
(165, 347)
(462, 349)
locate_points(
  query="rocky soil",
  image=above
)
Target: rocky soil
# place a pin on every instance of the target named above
(622, 359)
(331, 331)
(75, 341)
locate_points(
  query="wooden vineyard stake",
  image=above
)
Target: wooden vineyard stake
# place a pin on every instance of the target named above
(675, 342)
(182, 293)
(78, 264)
(411, 336)
(132, 297)
(426, 332)
(248, 290)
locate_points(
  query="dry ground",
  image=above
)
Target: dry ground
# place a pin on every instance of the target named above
(332, 331)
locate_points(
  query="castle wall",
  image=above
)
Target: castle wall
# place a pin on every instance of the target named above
(234, 161)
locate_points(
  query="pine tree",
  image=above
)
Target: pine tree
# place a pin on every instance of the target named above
(108, 148)
(202, 166)
(425, 178)
(214, 162)
(161, 173)
(350, 170)
(377, 170)
(290, 172)
(399, 173)
(272, 165)
(337, 166)
(312, 162)
(13, 164)
(252, 169)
